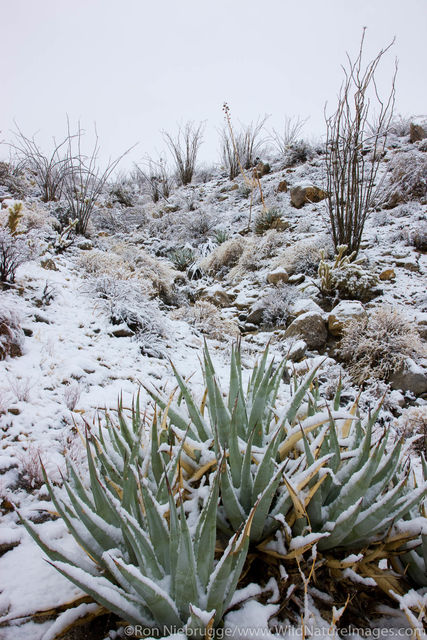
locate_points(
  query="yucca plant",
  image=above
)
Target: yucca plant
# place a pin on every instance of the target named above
(182, 258)
(151, 563)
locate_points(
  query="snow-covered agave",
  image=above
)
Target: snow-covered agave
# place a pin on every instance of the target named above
(150, 563)
(254, 440)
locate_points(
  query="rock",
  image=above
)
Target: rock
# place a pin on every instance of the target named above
(411, 377)
(306, 192)
(303, 305)
(122, 331)
(421, 324)
(416, 132)
(49, 264)
(310, 327)
(262, 169)
(297, 351)
(38, 317)
(15, 411)
(343, 313)
(282, 187)
(277, 276)
(255, 314)
(85, 245)
(215, 295)
(296, 278)
(410, 264)
(387, 274)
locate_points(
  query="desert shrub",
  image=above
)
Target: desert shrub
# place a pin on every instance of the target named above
(350, 172)
(182, 258)
(419, 237)
(256, 253)
(11, 334)
(239, 149)
(377, 346)
(400, 125)
(298, 152)
(268, 219)
(206, 318)
(96, 263)
(121, 191)
(13, 178)
(224, 257)
(30, 468)
(198, 225)
(127, 303)
(14, 251)
(276, 304)
(288, 136)
(154, 178)
(303, 256)
(346, 279)
(184, 149)
(406, 179)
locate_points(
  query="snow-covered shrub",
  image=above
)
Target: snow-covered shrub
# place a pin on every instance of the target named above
(224, 257)
(276, 303)
(377, 346)
(127, 304)
(206, 318)
(354, 282)
(121, 191)
(96, 263)
(14, 251)
(400, 125)
(406, 180)
(184, 148)
(72, 393)
(30, 468)
(11, 334)
(198, 225)
(13, 178)
(297, 153)
(256, 253)
(303, 256)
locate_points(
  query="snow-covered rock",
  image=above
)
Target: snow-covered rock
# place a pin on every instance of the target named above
(343, 313)
(311, 327)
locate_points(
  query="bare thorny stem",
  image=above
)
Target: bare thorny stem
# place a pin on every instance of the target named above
(351, 176)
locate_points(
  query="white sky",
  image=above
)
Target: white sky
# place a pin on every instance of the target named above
(138, 66)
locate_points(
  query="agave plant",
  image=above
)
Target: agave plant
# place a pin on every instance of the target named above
(144, 561)
(413, 564)
(253, 438)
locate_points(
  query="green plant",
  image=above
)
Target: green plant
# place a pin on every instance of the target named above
(268, 219)
(148, 560)
(221, 236)
(182, 258)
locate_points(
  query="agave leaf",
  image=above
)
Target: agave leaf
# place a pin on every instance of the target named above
(185, 570)
(342, 526)
(230, 500)
(205, 537)
(108, 595)
(156, 599)
(193, 410)
(157, 527)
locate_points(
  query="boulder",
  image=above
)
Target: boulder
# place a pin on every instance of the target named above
(216, 295)
(297, 350)
(303, 305)
(387, 274)
(310, 327)
(49, 264)
(282, 187)
(342, 314)
(306, 192)
(277, 276)
(411, 377)
(85, 245)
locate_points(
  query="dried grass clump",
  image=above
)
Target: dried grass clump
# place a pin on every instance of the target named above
(206, 318)
(377, 346)
(11, 334)
(304, 255)
(255, 253)
(224, 257)
(98, 263)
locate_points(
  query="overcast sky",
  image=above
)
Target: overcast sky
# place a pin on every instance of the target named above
(136, 67)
